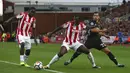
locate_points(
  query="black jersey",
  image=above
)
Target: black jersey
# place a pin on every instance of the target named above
(93, 38)
(93, 24)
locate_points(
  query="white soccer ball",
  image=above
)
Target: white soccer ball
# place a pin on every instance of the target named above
(38, 65)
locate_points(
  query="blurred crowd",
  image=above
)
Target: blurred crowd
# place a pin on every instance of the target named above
(117, 20)
(10, 37)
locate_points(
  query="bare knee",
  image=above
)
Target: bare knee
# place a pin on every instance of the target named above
(106, 50)
(63, 51)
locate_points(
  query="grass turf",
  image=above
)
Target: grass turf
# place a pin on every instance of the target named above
(44, 52)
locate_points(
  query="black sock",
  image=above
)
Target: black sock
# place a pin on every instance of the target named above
(112, 57)
(28, 52)
(22, 49)
(75, 55)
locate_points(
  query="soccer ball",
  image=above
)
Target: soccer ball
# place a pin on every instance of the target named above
(38, 65)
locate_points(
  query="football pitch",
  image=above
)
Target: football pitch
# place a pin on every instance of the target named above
(9, 60)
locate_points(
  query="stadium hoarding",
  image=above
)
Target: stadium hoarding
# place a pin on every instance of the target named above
(59, 39)
(67, 2)
(106, 40)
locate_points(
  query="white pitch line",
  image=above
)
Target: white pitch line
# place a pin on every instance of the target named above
(49, 70)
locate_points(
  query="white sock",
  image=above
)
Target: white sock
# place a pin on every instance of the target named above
(22, 58)
(53, 60)
(91, 59)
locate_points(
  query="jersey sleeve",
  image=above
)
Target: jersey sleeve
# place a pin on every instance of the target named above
(83, 24)
(20, 15)
(34, 23)
(65, 25)
(92, 25)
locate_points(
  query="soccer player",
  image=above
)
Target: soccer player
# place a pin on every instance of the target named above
(73, 28)
(27, 20)
(94, 41)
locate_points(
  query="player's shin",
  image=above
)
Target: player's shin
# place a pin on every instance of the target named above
(75, 55)
(22, 52)
(112, 57)
(91, 59)
(26, 55)
(53, 60)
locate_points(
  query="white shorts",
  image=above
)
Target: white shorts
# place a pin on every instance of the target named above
(74, 46)
(26, 40)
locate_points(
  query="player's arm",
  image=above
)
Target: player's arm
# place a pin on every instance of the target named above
(19, 16)
(57, 29)
(96, 29)
(103, 34)
(34, 32)
(54, 31)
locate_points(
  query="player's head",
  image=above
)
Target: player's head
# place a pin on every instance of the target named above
(96, 16)
(32, 11)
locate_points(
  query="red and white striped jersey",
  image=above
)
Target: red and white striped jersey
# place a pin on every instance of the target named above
(72, 31)
(25, 23)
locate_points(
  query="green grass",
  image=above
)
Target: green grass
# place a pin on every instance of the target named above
(44, 52)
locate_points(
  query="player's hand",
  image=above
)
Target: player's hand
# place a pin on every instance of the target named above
(105, 30)
(35, 40)
(49, 34)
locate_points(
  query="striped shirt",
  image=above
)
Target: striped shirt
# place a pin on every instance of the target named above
(72, 31)
(25, 23)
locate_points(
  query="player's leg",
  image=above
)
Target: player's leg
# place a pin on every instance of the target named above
(92, 61)
(62, 51)
(76, 46)
(22, 53)
(112, 57)
(21, 46)
(27, 51)
(83, 49)
(75, 55)
(103, 47)
(90, 57)
(89, 44)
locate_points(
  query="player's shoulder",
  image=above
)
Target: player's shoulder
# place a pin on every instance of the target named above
(34, 18)
(69, 22)
(82, 22)
(23, 13)
(92, 23)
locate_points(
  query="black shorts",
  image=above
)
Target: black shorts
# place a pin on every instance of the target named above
(95, 43)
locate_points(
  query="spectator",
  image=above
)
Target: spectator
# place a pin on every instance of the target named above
(124, 2)
(8, 36)
(45, 39)
(4, 35)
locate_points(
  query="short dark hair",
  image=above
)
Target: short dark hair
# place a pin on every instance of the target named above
(32, 8)
(96, 13)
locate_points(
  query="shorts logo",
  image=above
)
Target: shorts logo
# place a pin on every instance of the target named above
(103, 45)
